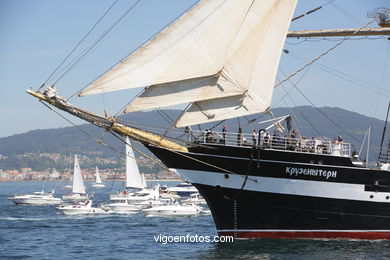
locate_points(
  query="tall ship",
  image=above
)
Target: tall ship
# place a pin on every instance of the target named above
(221, 57)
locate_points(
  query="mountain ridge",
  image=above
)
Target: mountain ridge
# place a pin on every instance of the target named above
(69, 140)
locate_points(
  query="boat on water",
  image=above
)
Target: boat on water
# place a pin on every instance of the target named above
(98, 182)
(78, 187)
(196, 199)
(273, 187)
(184, 190)
(37, 198)
(174, 209)
(80, 208)
(136, 195)
(67, 187)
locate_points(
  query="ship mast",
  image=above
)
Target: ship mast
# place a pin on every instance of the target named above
(383, 137)
(339, 32)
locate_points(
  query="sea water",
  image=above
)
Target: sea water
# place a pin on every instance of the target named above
(41, 232)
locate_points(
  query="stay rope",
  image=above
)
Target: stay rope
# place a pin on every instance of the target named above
(78, 44)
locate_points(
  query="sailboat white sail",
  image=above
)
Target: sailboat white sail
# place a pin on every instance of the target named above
(78, 188)
(133, 176)
(98, 179)
(78, 182)
(98, 183)
(214, 56)
(144, 180)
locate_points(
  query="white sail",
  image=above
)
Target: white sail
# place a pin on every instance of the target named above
(222, 55)
(184, 91)
(78, 183)
(98, 179)
(133, 176)
(143, 180)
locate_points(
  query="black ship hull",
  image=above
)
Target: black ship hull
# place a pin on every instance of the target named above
(260, 193)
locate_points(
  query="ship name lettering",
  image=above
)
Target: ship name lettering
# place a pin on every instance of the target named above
(292, 171)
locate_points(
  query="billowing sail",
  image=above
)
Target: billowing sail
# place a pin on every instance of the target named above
(78, 183)
(133, 177)
(98, 179)
(222, 56)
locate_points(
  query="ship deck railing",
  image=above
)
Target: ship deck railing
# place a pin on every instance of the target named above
(275, 142)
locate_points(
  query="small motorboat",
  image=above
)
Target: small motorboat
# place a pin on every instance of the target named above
(183, 189)
(37, 198)
(122, 205)
(80, 208)
(174, 209)
(196, 198)
(67, 187)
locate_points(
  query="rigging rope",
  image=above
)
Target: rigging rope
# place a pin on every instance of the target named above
(103, 35)
(381, 83)
(78, 44)
(340, 74)
(323, 54)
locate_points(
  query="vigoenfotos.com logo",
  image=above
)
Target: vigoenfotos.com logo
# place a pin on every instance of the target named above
(165, 239)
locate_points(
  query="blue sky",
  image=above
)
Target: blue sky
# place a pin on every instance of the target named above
(37, 35)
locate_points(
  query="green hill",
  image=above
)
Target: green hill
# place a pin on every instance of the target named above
(54, 148)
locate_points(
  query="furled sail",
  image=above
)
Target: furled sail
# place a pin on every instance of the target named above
(221, 55)
(78, 183)
(133, 176)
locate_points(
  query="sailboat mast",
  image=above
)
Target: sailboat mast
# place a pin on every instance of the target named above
(384, 133)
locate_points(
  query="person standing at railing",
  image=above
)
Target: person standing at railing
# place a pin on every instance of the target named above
(209, 136)
(224, 131)
(311, 144)
(265, 136)
(255, 137)
(240, 137)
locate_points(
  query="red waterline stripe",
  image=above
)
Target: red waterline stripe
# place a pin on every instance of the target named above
(369, 235)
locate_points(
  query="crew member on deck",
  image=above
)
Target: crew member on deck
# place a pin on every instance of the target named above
(255, 137)
(240, 137)
(224, 130)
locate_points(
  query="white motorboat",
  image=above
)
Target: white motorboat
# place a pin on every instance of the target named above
(121, 205)
(133, 202)
(75, 197)
(78, 188)
(80, 208)
(196, 198)
(67, 187)
(183, 189)
(98, 182)
(37, 198)
(174, 209)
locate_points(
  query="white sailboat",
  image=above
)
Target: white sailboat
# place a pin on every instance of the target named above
(129, 202)
(98, 183)
(78, 188)
(134, 180)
